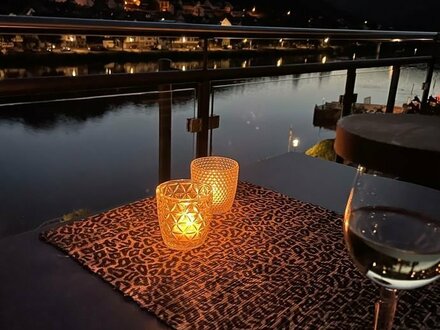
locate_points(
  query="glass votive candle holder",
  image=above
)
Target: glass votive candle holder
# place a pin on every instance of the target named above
(221, 174)
(184, 210)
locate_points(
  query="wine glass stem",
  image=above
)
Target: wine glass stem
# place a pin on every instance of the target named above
(385, 309)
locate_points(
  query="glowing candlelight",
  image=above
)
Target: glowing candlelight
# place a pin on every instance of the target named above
(184, 210)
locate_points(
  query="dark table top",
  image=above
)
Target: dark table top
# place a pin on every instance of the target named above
(41, 288)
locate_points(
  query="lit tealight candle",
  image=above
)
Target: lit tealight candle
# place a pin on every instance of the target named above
(184, 210)
(222, 175)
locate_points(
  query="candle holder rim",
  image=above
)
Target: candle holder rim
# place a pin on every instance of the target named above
(208, 194)
(233, 162)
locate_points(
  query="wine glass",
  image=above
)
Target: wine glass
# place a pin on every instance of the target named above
(392, 231)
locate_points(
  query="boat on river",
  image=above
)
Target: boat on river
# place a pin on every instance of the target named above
(326, 115)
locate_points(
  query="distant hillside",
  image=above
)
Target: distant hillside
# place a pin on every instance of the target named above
(421, 15)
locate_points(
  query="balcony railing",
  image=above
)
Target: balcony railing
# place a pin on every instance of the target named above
(205, 80)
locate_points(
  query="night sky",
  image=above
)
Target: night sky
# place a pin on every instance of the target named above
(400, 14)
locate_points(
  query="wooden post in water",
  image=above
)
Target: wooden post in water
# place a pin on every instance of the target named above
(393, 89)
(165, 95)
(348, 100)
(349, 92)
(431, 64)
(203, 93)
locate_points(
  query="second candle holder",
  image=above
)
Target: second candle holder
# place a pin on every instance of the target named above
(221, 174)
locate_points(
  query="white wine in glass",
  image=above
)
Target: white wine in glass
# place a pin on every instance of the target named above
(392, 231)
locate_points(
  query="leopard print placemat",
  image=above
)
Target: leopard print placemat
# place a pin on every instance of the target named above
(271, 262)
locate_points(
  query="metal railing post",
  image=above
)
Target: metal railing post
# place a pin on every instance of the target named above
(393, 89)
(203, 93)
(205, 54)
(165, 95)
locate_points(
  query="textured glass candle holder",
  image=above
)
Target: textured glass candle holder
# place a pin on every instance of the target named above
(222, 175)
(184, 210)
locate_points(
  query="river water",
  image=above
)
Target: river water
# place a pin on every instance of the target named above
(61, 157)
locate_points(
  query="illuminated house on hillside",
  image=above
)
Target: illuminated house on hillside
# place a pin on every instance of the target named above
(131, 4)
(165, 5)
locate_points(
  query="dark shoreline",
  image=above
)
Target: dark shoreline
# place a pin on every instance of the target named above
(54, 59)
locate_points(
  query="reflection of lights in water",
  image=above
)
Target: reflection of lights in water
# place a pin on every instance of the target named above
(131, 70)
(183, 39)
(108, 71)
(354, 56)
(183, 67)
(279, 62)
(244, 64)
(2, 74)
(324, 60)
(74, 72)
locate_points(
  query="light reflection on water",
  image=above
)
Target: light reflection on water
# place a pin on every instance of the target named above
(142, 67)
(62, 157)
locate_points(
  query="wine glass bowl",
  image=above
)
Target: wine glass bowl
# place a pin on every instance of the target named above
(392, 232)
(394, 243)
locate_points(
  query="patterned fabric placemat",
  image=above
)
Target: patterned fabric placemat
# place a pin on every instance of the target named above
(271, 262)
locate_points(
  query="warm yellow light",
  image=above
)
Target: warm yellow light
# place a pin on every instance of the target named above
(183, 39)
(295, 142)
(279, 62)
(222, 175)
(253, 9)
(324, 59)
(184, 211)
(326, 40)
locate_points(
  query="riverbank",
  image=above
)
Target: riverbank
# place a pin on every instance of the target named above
(71, 58)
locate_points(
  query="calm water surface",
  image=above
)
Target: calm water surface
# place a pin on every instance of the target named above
(59, 158)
